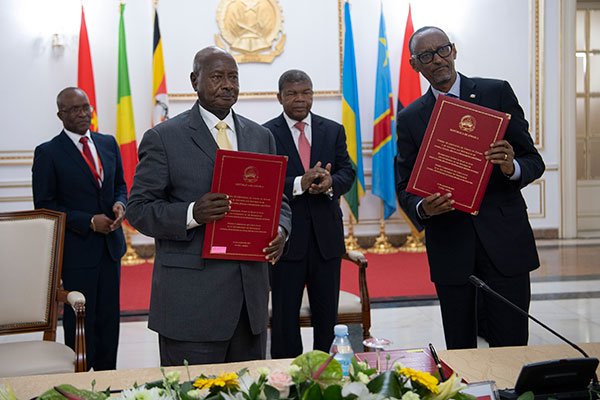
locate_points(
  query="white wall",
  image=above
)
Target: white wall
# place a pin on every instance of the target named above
(493, 39)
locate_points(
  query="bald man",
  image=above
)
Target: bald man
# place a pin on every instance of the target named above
(204, 310)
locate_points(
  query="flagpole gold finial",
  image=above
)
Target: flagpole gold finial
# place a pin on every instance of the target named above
(155, 4)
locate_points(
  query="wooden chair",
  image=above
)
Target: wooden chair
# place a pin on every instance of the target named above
(352, 309)
(31, 249)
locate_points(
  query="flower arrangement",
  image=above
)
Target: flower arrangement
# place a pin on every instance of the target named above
(311, 376)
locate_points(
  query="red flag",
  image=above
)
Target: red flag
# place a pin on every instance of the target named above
(409, 84)
(85, 73)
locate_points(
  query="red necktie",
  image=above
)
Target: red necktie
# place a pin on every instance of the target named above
(303, 146)
(89, 159)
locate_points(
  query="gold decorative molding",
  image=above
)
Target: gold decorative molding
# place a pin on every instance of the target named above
(15, 184)
(16, 199)
(537, 72)
(541, 183)
(16, 157)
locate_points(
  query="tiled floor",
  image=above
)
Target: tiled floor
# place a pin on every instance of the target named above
(566, 296)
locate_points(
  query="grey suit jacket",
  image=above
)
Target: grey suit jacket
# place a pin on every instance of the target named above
(194, 299)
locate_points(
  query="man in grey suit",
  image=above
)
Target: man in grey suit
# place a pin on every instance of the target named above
(204, 310)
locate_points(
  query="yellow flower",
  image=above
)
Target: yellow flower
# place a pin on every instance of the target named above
(425, 379)
(229, 380)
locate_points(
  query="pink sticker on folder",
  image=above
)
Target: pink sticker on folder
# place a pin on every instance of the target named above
(218, 249)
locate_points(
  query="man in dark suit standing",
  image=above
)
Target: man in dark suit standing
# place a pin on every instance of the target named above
(497, 245)
(204, 310)
(318, 173)
(79, 173)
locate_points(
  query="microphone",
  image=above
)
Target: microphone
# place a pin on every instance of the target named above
(482, 285)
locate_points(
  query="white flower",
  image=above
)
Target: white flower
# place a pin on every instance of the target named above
(358, 389)
(245, 381)
(362, 377)
(410, 396)
(6, 392)
(198, 394)
(263, 371)
(141, 393)
(280, 381)
(229, 396)
(362, 364)
(293, 370)
(172, 377)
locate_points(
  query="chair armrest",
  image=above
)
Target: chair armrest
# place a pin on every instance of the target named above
(77, 301)
(357, 258)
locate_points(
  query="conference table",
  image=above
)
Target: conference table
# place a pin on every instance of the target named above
(501, 365)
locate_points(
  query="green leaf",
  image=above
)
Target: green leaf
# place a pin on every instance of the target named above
(310, 362)
(333, 392)
(271, 393)
(526, 396)
(386, 384)
(84, 394)
(313, 392)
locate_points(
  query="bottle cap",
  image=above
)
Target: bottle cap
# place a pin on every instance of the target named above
(340, 330)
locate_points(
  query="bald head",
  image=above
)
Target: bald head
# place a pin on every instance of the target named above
(66, 93)
(422, 32)
(215, 80)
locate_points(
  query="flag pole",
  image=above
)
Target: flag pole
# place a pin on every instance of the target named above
(131, 257)
(382, 244)
(351, 241)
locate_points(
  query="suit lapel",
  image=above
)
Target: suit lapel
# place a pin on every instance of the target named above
(201, 134)
(469, 91)
(427, 103)
(71, 150)
(289, 147)
(106, 159)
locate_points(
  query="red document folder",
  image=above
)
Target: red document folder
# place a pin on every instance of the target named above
(254, 183)
(451, 158)
(420, 359)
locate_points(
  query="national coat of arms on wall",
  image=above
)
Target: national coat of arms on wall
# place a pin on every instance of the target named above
(251, 30)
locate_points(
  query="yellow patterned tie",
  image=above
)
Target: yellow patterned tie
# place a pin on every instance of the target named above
(222, 139)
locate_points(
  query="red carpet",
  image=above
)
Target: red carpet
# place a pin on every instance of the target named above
(394, 277)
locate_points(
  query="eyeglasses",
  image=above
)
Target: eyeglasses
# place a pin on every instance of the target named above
(75, 110)
(427, 56)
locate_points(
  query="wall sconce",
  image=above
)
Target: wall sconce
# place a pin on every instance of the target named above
(58, 41)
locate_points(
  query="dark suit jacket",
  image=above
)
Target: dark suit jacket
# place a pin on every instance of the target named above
(62, 181)
(328, 146)
(194, 299)
(502, 224)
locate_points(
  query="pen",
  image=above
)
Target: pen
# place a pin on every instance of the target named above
(437, 361)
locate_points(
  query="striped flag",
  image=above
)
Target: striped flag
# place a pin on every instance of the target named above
(125, 125)
(85, 72)
(409, 84)
(384, 138)
(160, 99)
(350, 115)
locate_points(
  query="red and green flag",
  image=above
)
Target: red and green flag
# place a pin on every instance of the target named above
(85, 72)
(125, 125)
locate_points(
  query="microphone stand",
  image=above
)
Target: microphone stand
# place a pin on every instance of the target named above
(482, 285)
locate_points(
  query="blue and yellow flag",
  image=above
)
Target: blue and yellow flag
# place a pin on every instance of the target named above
(350, 115)
(384, 138)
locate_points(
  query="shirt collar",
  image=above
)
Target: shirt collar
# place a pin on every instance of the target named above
(292, 122)
(211, 119)
(76, 136)
(455, 89)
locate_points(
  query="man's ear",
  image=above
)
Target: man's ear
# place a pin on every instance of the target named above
(279, 98)
(193, 80)
(413, 64)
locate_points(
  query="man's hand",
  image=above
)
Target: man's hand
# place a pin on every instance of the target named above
(102, 224)
(437, 204)
(211, 207)
(311, 175)
(275, 249)
(501, 153)
(119, 212)
(324, 183)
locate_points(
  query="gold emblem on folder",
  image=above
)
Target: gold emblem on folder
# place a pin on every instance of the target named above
(251, 30)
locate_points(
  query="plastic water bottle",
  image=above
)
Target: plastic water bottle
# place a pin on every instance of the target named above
(342, 348)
